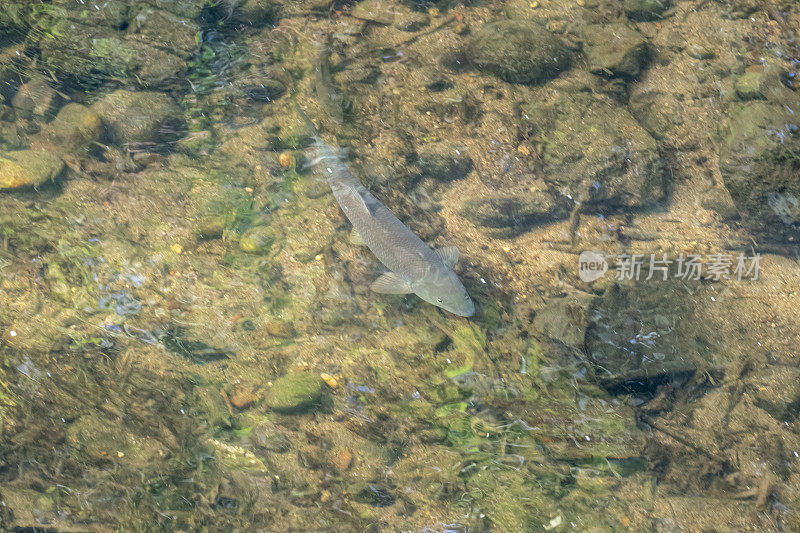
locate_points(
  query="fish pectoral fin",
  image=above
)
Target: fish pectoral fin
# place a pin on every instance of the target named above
(356, 238)
(391, 283)
(448, 255)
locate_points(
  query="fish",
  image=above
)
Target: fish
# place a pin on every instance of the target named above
(413, 266)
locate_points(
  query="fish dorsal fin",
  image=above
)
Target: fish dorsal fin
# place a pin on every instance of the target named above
(356, 238)
(391, 283)
(448, 255)
(369, 203)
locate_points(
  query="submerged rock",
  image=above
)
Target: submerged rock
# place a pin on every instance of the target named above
(162, 28)
(252, 12)
(657, 112)
(88, 53)
(760, 164)
(521, 211)
(766, 84)
(644, 10)
(616, 50)
(257, 240)
(374, 494)
(34, 98)
(28, 168)
(444, 161)
(411, 21)
(595, 152)
(74, 128)
(378, 11)
(641, 335)
(136, 117)
(565, 319)
(518, 51)
(296, 393)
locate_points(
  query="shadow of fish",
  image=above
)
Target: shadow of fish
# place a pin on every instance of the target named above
(413, 266)
(329, 98)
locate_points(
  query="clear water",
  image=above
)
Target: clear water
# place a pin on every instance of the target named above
(189, 339)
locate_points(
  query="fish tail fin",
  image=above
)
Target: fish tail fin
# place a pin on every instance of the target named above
(310, 125)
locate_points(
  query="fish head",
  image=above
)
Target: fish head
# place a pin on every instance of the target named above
(446, 291)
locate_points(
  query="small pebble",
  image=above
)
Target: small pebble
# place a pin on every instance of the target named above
(243, 399)
(286, 159)
(341, 461)
(330, 380)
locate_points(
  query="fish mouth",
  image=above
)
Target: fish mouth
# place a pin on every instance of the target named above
(469, 311)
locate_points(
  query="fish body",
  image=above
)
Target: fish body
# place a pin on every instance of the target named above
(413, 265)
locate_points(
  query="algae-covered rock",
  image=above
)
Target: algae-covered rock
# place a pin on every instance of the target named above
(257, 240)
(595, 152)
(135, 117)
(565, 319)
(760, 166)
(89, 52)
(748, 86)
(643, 10)
(616, 50)
(145, 65)
(98, 440)
(518, 51)
(162, 28)
(296, 393)
(766, 84)
(28, 168)
(75, 127)
(444, 161)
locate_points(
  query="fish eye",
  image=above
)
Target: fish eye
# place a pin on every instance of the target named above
(439, 300)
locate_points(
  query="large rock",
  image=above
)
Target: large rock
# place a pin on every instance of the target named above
(28, 168)
(595, 152)
(136, 117)
(760, 163)
(75, 127)
(615, 50)
(90, 52)
(35, 97)
(640, 335)
(518, 51)
(163, 29)
(516, 211)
